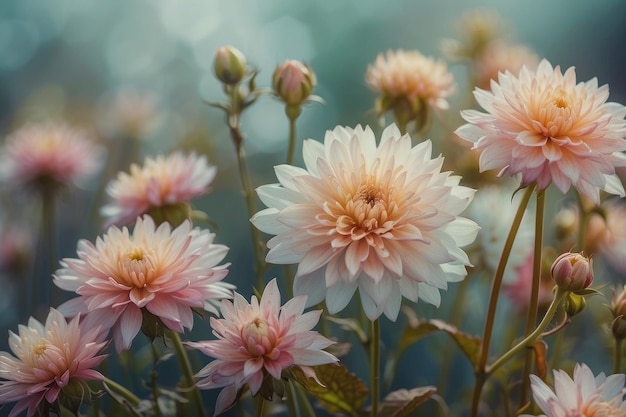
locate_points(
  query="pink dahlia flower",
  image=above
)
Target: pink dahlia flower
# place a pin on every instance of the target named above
(412, 76)
(549, 129)
(48, 359)
(162, 181)
(383, 219)
(612, 243)
(164, 271)
(257, 338)
(585, 395)
(49, 154)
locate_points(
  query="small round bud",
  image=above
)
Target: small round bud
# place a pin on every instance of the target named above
(293, 82)
(618, 303)
(574, 304)
(572, 271)
(229, 65)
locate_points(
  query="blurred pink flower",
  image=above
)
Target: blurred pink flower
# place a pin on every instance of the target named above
(549, 129)
(162, 181)
(518, 290)
(48, 359)
(51, 154)
(257, 338)
(612, 243)
(585, 395)
(499, 57)
(164, 271)
(383, 219)
(413, 76)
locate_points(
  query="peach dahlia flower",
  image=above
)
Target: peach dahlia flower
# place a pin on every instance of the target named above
(383, 219)
(49, 358)
(49, 154)
(161, 181)
(412, 76)
(258, 338)
(549, 129)
(584, 396)
(162, 271)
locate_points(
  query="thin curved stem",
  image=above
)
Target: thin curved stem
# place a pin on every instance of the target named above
(617, 359)
(582, 224)
(248, 190)
(531, 321)
(532, 337)
(375, 367)
(185, 365)
(123, 391)
(291, 150)
(493, 301)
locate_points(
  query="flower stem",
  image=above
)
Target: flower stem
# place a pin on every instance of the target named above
(582, 224)
(532, 337)
(292, 115)
(617, 359)
(129, 396)
(480, 369)
(259, 402)
(248, 191)
(190, 383)
(375, 367)
(531, 322)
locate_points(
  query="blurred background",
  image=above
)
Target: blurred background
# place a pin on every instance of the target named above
(69, 60)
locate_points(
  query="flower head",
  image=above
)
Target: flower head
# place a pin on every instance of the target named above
(549, 129)
(383, 219)
(500, 57)
(293, 82)
(230, 65)
(585, 395)
(410, 83)
(154, 270)
(49, 155)
(50, 359)
(477, 29)
(259, 338)
(130, 114)
(572, 271)
(162, 186)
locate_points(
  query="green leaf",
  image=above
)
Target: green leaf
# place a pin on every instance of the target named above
(341, 391)
(418, 329)
(402, 402)
(351, 325)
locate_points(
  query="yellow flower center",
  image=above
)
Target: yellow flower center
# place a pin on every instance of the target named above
(39, 350)
(367, 211)
(136, 268)
(560, 102)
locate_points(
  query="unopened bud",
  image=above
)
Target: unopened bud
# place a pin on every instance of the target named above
(572, 271)
(229, 65)
(574, 304)
(618, 303)
(293, 82)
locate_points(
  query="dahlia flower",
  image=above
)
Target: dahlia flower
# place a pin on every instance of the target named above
(161, 271)
(258, 338)
(409, 83)
(383, 219)
(612, 243)
(500, 57)
(549, 129)
(51, 154)
(161, 182)
(585, 395)
(50, 359)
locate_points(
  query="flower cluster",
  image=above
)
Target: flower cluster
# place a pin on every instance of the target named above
(373, 220)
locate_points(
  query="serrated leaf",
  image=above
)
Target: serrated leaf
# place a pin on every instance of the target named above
(403, 402)
(341, 390)
(418, 329)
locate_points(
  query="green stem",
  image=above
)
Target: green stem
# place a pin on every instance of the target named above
(493, 301)
(532, 337)
(375, 367)
(246, 183)
(617, 360)
(531, 321)
(292, 400)
(129, 396)
(154, 387)
(190, 383)
(260, 402)
(292, 114)
(582, 224)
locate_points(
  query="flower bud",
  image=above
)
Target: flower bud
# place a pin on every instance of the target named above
(293, 82)
(618, 303)
(229, 65)
(572, 271)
